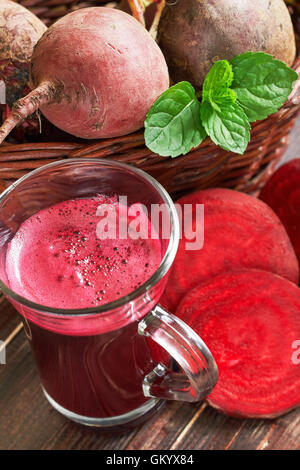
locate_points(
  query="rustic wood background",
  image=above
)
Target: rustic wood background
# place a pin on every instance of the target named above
(28, 422)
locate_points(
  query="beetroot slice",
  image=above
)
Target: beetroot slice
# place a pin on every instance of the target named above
(282, 193)
(240, 231)
(249, 320)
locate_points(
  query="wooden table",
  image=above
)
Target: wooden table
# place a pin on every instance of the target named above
(28, 422)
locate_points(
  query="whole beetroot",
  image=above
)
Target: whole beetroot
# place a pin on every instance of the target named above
(19, 32)
(96, 73)
(194, 34)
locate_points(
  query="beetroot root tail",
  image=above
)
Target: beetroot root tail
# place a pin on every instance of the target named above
(9, 124)
(154, 27)
(26, 106)
(138, 9)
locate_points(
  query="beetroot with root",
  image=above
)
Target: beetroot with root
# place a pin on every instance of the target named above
(194, 34)
(250, 321)
(19, 32)
(96, 73)
(240, 231)
(282, 193)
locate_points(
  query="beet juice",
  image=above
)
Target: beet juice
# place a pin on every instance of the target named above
(60, 257)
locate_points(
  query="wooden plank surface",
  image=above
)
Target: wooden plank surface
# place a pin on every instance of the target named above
(28, 422)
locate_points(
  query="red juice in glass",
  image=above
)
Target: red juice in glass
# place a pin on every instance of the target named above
(85, 269)
(58, 258)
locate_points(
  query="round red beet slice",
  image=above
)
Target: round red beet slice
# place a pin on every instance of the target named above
(240, 231)
(282, 193)
(250, 320)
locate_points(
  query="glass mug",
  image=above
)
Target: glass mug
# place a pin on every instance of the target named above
(111, 365)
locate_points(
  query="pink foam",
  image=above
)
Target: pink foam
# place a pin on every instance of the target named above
(56, 259)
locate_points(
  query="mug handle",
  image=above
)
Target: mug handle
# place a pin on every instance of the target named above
(199, 372)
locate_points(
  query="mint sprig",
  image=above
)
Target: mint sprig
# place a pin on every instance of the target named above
(251, 87)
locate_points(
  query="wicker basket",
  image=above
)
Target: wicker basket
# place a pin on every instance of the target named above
(204, 167)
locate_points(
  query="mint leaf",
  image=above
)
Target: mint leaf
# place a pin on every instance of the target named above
(219, 77)
(229, 127)
(224, 95)
(262, 83)
(173, 125)
(251, 87)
